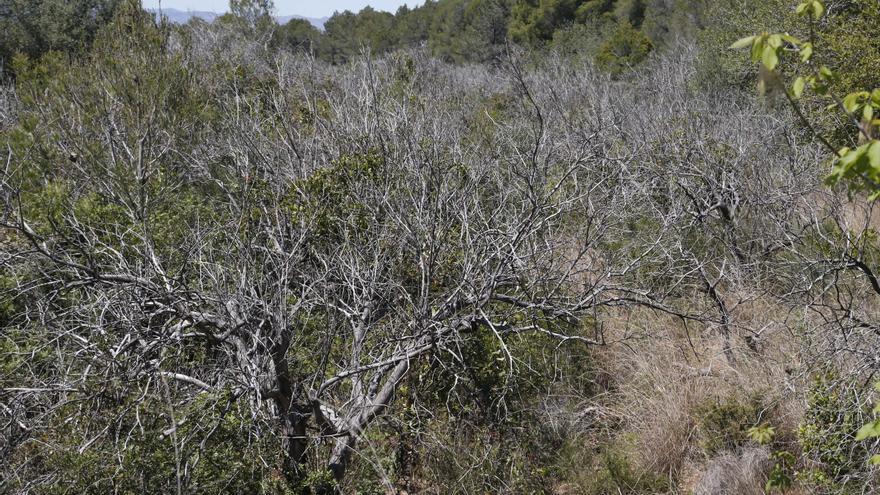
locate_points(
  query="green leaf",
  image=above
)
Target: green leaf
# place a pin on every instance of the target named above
(849, 159)
(791, 39)
(762, 434)
(875, 98)
(874, 460)
(851, 102)
(757, 48)
(801, 8)
(818, 9)
(873, 154)
(743, 42)
(797, 88)
(806, 51)
(774, 40)
(868, 113)
(870, 430)
(769, 57)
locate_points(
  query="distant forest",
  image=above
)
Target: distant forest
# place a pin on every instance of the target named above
(616, 34)
(623, 31)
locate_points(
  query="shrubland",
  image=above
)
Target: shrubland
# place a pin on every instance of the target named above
(229, 264)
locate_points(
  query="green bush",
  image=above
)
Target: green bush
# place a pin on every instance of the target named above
(35, 27)
(611, 470)
(625, 49)
(723, 424)
(827, 431)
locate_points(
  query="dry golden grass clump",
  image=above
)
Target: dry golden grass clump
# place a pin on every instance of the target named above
(682, 409)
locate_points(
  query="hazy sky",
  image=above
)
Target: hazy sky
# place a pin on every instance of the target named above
(308, 8)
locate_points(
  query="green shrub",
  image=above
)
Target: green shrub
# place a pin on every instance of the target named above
(613, 471)
(724, 424)
(625, 49)
(827, 432)
(35, 27)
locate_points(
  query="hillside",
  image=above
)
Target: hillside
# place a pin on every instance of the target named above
(182, 17)
(558, 247)
(620, 32)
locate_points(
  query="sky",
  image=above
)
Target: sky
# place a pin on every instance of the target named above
(307, 8)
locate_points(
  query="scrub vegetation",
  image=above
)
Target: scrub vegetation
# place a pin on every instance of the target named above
(476, 246)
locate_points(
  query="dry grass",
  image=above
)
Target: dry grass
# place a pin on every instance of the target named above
(744, 473)
(663, 373)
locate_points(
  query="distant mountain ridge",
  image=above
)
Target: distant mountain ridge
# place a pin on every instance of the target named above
(183, 16)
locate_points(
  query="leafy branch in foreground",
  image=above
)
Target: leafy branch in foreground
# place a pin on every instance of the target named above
(858, 164)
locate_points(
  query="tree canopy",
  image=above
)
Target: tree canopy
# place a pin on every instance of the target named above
(34, 27)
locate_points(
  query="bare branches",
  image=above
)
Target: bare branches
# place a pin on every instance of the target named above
(305, 240)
